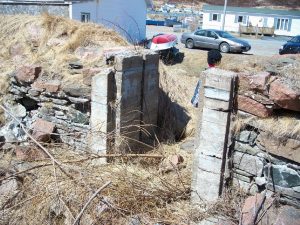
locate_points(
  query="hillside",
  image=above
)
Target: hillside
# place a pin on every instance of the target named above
(291, 4)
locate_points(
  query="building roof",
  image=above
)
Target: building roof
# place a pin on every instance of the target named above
(252, 11)
(149, 3)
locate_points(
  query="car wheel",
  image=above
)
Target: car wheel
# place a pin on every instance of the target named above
(189, 43)
(224, 47)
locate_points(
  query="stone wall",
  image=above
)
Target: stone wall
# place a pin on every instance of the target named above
(263, 159)
(106, 113)
(34, 9)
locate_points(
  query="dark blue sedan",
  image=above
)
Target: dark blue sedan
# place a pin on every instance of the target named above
(291, 47)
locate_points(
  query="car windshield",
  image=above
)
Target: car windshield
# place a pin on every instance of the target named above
(224, 34)
(295, 39)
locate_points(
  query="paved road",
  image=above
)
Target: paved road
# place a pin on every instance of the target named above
(266, 46)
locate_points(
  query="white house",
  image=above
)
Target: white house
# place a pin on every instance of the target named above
(285, 22)
(128, 17)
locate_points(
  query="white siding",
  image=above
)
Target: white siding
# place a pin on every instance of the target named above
(295, 29)
(231, 25)
(127, 17)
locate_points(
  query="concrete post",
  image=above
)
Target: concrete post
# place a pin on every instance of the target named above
(210, 155)
(101, 121)
(149, 92)
(128, 101)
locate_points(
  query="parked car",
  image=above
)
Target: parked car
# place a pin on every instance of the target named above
(215, 39)
(291, 47)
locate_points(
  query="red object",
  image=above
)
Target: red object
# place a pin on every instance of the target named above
(164, 38)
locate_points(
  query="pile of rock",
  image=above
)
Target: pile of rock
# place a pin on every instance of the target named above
(47, 107)
(262, 93)
(262, 161)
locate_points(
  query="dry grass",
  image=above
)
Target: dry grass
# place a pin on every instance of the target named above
(138, 190)
(286, 125)
(51, 41)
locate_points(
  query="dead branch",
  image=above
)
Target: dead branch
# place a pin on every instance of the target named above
(32, 138)
(89, 201)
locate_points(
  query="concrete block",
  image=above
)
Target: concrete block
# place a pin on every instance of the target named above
(99, 113)
(151, 58)
(217, 105)
(205, 188)
(128, 62)
(215, 117)
(216, 94)
(219, 81)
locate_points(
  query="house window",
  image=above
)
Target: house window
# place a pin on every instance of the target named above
(85, 17)
(282, 24)
(214, 17)
(240, 19)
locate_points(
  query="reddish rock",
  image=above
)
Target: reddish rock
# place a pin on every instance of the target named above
(28, 74)
(88, 74)
(29, 153)
(171, 163)
(251, 208)
(288, 216)
(42, 130)
(285, 95)
(49, 86)
(251, 106)
(176, 160)
(256, 82)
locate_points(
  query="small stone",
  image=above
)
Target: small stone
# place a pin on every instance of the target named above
(18, 110)
(76, 65)
(34, 93)
(51, 86)
(247, 136)
(76, 116)
(78, 100)
(59, 101)
(260, 181)
(42, 130)
(78, 90)
(28, 74)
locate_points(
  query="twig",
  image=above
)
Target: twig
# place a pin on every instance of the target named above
(32, 138)
(264, 212)
(89, 201)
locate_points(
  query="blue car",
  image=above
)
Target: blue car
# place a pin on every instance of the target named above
(291, 47)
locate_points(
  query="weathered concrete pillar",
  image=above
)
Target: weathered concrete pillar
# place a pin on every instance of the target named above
(210, 155)
(102, 122)
(150, 92)
(128, 101)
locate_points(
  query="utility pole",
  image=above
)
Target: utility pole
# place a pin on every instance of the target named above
(224, 15)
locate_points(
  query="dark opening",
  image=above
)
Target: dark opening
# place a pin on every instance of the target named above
(83, 107)
(28, 103)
